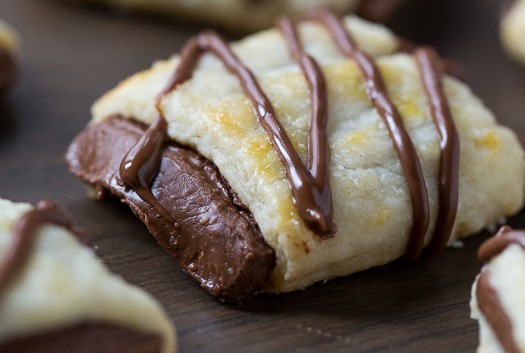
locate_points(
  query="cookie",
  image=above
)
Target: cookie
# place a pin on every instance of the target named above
(237, 15)
(250, 15)
(55, 294)
(498, 298)
(512, 30)
(336, 152)
(8, 48)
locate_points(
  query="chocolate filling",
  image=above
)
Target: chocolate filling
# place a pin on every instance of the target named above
(214, 237)
(93, 337)
(7, 69)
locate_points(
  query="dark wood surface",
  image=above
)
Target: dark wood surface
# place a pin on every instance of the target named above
(71, 55)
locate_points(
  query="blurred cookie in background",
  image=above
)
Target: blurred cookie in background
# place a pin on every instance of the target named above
(8, 50)
(248, 15)
(512, 31)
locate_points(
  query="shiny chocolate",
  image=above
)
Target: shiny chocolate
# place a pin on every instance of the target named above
(214, 237)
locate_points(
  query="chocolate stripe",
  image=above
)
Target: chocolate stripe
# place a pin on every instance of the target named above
(19, 250)
(142, 162)
(494, 246)
(318, 148)
(406, 152)
(308, 198)
(428, 63)
(490, 305)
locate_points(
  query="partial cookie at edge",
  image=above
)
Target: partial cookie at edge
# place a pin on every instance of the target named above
(76, 293)
(498, 293)
(512, 31)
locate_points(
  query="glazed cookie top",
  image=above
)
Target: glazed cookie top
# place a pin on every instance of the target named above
(58, 282)
(372, 202)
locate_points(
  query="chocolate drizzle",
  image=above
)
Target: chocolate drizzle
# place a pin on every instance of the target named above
(318, 174)
(19, 250)
(215, 239)
(142, 162)
(488, 300)
(310, 185)
(448, 186)
(406, 152)
(310, 191)
(504, 237)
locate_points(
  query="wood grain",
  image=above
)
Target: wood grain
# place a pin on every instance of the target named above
(74, 54)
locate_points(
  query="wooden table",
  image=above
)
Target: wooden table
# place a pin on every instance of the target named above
(71, 55)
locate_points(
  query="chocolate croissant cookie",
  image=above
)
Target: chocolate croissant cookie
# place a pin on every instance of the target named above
(56, 296)
(498, 295)
(300, 154)
(8, 48)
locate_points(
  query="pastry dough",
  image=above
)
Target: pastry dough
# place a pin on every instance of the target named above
(513, 31)
(371, 201)
(63, 284)
(498, 294)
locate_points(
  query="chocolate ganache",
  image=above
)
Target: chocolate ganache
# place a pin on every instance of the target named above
(142, 162)
(214, 239)
(448, 185)
(318, 173)
(488, 300)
